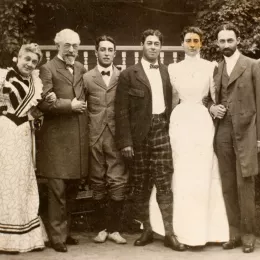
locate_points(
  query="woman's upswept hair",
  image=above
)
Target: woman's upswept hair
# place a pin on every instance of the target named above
(192, 29)
(31, 47)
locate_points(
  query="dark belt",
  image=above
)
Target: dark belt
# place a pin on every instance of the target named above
(17, 120)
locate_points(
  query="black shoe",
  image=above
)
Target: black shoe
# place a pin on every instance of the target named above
(196, 248)
(172, 242)
(60, 247)
(9, 252)
(231, 244)
(145, 239)
(248, 248)
(72, 241)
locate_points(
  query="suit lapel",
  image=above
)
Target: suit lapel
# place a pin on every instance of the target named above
(97, 78)
(141, 76)
(217, 79)
(76, 78)
(238, 69)
(164, 76)
(114, 78)
(62, 70)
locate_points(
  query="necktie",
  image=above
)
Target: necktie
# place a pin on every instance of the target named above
(152, 66)
(70, 68)
(103, 73)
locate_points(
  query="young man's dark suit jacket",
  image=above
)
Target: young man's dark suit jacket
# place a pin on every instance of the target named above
(133, 105)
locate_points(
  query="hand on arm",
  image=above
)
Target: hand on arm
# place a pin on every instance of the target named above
(51, 97)
(52, 104)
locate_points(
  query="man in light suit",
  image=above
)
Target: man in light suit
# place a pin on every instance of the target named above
(108, 174)
(63, 146)
(143, 107)
(237, 113)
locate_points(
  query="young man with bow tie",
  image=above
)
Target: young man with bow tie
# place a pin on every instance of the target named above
(108, 174)
(143, 108)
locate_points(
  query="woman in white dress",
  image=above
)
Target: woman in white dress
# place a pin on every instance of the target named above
(20, 91)
(199, 214)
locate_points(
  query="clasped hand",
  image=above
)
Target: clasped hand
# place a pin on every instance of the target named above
(78, 106)
(128, 152)
(218, 111)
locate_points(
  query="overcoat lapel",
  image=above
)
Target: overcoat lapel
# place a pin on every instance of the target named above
(164, 77)
(141, 76)
(61, 69)
(77, 77)
(238, 69)
(217, 80)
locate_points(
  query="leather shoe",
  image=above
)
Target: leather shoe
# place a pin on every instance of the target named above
(231, 244)
(248, 241)
(71, 241)
(248, 248)
(60, 247)
(145, 239)
(172, 242)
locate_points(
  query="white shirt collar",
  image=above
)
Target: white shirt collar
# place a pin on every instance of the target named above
(192, 58)
(232, 59)
(63, 59)
(146, 64)
(110, 68)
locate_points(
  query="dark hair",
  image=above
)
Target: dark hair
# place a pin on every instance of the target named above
(104, 38)
(149, 32)
(228, 27)
(192, 29)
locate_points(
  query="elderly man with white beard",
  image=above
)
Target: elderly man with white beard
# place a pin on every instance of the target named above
(63, 146)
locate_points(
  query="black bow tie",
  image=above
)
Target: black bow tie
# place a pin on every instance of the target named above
(103, 73)
(69, 66)
(152, 66)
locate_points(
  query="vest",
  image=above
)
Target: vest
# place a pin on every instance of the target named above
(224, 85)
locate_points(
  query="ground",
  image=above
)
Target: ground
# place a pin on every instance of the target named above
(87, 250)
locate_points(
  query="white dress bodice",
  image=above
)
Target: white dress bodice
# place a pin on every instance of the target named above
(192, 78)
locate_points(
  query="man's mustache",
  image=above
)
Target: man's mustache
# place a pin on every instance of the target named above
(227, 49)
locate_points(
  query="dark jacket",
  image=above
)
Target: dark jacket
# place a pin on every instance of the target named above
(133, 104)
(63, 140)
(243, 99)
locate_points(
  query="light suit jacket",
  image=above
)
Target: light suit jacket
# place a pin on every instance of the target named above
(100, 100)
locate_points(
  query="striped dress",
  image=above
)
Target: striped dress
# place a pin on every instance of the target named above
(20, 228)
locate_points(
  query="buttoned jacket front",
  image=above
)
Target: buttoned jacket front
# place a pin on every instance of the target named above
(243, 103)
(100, 100)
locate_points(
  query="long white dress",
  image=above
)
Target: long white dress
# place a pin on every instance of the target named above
(20, 225)
(199, 214)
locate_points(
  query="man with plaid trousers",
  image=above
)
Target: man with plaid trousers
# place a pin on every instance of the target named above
(143, 105)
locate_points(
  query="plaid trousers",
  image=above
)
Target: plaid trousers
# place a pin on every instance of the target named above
(152, 164)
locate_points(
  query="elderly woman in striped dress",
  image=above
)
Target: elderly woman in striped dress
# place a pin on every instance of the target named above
(20, 92)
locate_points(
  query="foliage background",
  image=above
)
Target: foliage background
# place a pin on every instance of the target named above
(243, 13)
